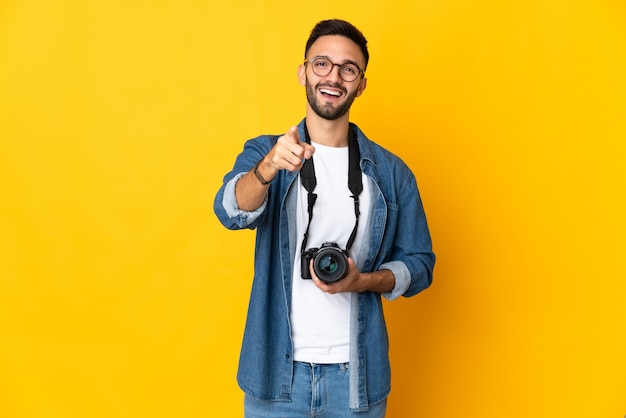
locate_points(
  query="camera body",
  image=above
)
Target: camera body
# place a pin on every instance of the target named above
(330, 262)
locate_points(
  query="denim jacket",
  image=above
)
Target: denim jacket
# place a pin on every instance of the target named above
(396, 239)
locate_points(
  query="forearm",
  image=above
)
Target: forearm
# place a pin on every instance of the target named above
(250, 191)
(381, 281)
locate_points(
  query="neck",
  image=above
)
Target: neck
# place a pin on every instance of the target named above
(332, 133)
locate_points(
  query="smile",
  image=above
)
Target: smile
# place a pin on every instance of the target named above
(332, 93)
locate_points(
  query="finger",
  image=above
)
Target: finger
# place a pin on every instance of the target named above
(291, 150)
(331, 289)
(293, 135)
(305, 150)
(292, 154)
(300, 148)
(324, 287)
(351, 263)
(320, 284)
(308, 150)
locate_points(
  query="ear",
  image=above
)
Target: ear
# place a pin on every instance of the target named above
(302, 74)
(361, 88)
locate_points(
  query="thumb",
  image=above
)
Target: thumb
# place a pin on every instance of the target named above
(308, 150)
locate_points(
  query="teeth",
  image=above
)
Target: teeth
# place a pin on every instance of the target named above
(332, 93)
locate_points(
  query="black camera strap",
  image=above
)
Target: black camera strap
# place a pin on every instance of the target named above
(355, 183)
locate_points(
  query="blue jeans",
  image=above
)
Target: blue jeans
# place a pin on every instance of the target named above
(319, 390)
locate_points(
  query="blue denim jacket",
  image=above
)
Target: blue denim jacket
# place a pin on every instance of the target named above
(396, 239)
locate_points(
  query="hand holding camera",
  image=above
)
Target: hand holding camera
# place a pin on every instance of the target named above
(352, 281)
(330, 263)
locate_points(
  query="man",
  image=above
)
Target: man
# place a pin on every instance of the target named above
(315, 342)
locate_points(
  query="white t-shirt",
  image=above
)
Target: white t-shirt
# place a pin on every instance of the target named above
(320, 322)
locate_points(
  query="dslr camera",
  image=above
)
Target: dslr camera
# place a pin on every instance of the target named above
(330, 262)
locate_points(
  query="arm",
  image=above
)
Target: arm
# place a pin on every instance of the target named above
(408, 266)
(287, 154)
(250, 191)
(381, 281)
(411, 259)
(240, 201)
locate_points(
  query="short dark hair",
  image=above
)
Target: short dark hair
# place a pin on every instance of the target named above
(338, 27)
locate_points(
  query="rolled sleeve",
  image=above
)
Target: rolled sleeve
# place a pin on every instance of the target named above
(403, 278)
(229, 202)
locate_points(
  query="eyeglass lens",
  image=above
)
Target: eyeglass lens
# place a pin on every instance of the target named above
(323, 66)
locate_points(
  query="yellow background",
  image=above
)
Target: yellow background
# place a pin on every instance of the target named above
(122, 296)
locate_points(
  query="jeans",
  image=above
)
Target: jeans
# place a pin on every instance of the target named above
(319, 390)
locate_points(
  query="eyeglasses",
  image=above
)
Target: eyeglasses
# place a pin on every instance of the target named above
(322, 66)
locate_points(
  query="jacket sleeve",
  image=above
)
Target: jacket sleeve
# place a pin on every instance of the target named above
(412, 259)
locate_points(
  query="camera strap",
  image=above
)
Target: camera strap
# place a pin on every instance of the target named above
(355, 183)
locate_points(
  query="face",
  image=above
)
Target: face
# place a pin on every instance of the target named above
(330, 97)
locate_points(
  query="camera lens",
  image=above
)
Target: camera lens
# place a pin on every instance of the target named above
(330, 264)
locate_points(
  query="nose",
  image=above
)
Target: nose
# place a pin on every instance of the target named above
(334, 75)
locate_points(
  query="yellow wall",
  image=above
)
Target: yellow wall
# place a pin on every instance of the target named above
(122, 296)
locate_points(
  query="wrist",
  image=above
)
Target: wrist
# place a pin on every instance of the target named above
(263, 175)
(381, 281)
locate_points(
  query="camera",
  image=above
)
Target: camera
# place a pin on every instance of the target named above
(330, 262)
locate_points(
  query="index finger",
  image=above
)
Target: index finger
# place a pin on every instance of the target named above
(293, 135)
